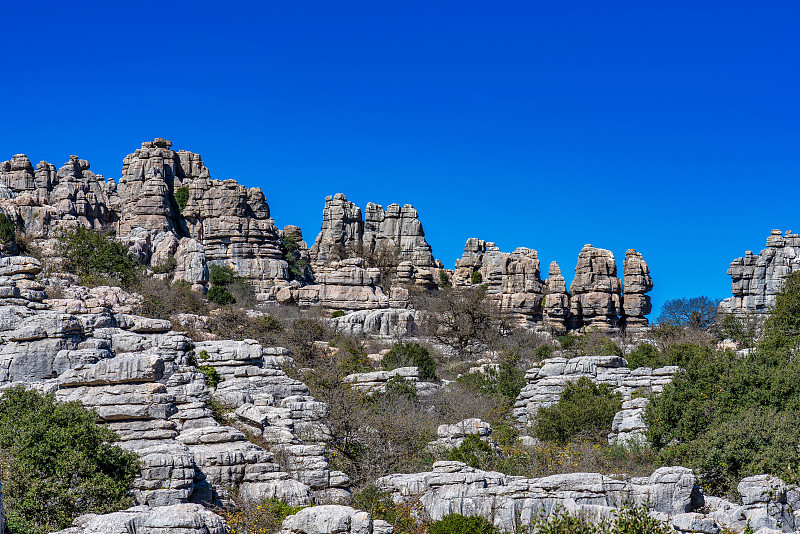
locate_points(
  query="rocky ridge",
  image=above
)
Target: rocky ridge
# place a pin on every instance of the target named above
(757, 279)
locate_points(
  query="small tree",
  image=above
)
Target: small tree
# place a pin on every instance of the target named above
(182, 197)
(695, 312)
(93, 255)
(408, 354)
(298, 267)
(461, 319)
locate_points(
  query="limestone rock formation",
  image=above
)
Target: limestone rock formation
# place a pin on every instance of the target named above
(510, 502)
(141, 379)
(389, 323)
(556, 304)
(547, 381)
(596, 291)
(334, 519)
(513, 283)
(757, 279)
(636, 282)
(174, 519)
(375, 381)
(449, 437)
(387, 239)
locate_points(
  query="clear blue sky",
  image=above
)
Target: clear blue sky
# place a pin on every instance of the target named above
(667, 127)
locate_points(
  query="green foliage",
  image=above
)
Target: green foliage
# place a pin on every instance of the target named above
(477, 277)
(56, 463)
(298, 267)
(98, 257)
(543, 352)
(567, 341)
(444, 279)
(410, 354)
(730, 416)
(8, 232)
(742, 331)
(630, 520)
(505, 381)
(379, 504)
(781, 333)
(220, 412)
(354, 360)
(684, 355)
(203, 355)
(337, 313)
(220, 295)
(248, 517)
(461, 524)
(221, 276)
(473, 451)
(585, 409)
(399, 386)
(168, 266)
(181, 196)
(211, 374)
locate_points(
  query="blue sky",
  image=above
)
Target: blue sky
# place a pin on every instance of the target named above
(669, 128)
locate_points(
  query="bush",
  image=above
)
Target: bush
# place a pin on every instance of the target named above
(460, 524)
(473, 451)
(162, 300)
(169, 265)
(336, 314)
(444, 279)
(211, 374)
(584, 410)
(220, 295)
(8, 233)
(477, 277)
(98, 257)
(377, 503)
(506, 381)
(633, 520)
(181, 196)
(247, 517)
(410, 354)
(298, 267)
(56, 463)
(221, 276)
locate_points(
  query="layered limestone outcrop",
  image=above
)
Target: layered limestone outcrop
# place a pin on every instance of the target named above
(513, 282)
(595, 300)
(147, 383)
(334, 519)
(174, 519)
(757, 279)
(547, 381)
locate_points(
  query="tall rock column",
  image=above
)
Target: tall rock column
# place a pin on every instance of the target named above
(341, 233)
(556, 304)
(596, 301)
(636, 282)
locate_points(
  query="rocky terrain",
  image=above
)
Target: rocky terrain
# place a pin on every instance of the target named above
(216, 421)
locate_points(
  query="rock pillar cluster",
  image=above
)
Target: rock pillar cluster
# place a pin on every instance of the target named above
(595, 299)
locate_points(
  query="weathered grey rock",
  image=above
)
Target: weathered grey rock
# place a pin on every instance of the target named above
(547, 381)
(596, 302)
(343, 285)
(513, 282)
(453, 487)
(449, 437)
(388, 236)
(375, 381)
(390, 323)
(556, 306)
(332, 519)
(636, 282)
(757, 279)
(175, 519)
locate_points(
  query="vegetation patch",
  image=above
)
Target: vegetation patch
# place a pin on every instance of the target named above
(98, 258)
(410, 354)
(585, 410)
(56, 463)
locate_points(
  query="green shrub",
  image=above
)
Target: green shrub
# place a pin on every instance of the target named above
(248, 517)
(221, 276)
(399, 386)
(220, 295)
(379, 504)
(585, 410)
(337, 313)
(444, 279)
(477, 277)
(298, 267)
(168, 266)
(353, 360)
(56, 463)
(505, 381)
(162, 300)
(211, 374)
(543, 352)
(8, 233)
(97, 257)
(629, 520)
(181, 196)
(473, 451)
(460, 524)
(410, 354)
